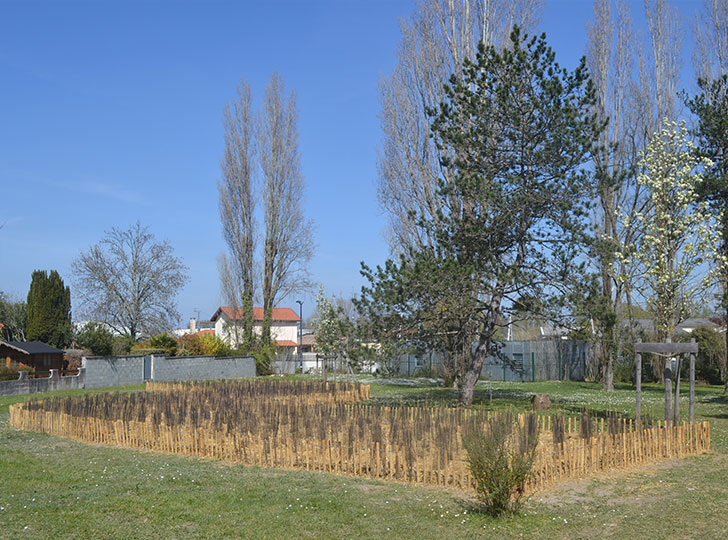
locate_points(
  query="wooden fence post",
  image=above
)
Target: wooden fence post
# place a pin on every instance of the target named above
(638, 384)
(692, 384)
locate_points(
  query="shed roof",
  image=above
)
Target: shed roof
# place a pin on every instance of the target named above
(33, 347)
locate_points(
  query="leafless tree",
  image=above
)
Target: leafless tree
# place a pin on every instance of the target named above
(634, 107)
(129, 281)
(288, 243)
(13, 318)
(610, 57)
(710, 55)
(435, 41)
(659, 83)
(237, 207)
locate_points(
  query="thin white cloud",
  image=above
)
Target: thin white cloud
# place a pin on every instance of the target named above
(105, 189)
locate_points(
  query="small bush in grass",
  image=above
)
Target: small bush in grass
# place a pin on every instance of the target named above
(500, 455)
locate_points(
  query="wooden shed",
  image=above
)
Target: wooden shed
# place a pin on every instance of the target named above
(38, 356)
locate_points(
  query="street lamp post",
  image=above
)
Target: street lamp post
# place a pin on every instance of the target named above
(300, 334)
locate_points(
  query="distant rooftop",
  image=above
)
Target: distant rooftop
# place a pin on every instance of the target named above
(33, 347)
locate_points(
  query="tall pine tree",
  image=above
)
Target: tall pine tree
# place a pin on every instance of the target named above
(49, 309)
(517, 132)
(710, 106)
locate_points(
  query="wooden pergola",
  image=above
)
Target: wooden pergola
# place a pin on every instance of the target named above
(668, 350)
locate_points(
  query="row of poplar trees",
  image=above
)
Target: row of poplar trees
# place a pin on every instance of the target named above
(517, 189)
(261, 165)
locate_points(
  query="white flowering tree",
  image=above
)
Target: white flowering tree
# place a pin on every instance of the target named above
(677, 251)
(332, 327)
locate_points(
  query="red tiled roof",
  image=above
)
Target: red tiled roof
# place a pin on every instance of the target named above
(206, 332)
(286, 343)
(279, 314)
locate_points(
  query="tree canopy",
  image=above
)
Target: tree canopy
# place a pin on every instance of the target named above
(49, 310)
(515, 131)
(129, 281)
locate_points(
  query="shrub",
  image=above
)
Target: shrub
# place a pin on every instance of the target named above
(96, 338)
(121, 345)
(264, 357)
(165, 342)
(189, 345)
(500, 455)
(202, 345)
(624, 370)
(710, 361)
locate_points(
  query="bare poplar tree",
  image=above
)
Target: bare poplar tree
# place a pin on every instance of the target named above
(633, 108)
(129, 281)
(435, 42)
(659, 83)
(288, 244)
(237, 206)
(710, 55)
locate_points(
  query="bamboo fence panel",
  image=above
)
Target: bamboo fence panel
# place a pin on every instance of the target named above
(359, 453)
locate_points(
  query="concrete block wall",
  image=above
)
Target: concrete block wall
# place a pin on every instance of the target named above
(25, 385)
(196, 368)
(109, 371)
(103, 371)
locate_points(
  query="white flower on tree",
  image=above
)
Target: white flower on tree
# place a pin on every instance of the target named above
(677, 252)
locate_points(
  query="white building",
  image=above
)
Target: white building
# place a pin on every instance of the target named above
(283, 329)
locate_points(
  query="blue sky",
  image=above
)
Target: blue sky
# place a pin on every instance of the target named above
(110, 112)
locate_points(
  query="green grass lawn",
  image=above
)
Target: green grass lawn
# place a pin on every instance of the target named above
(57, 488)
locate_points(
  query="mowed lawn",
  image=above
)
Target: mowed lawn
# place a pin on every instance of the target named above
(57, 488)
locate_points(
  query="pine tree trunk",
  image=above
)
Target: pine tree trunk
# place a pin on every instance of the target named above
(472, 374)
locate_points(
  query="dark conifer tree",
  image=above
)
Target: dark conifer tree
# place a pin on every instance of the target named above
(517, 131)
(49, 309)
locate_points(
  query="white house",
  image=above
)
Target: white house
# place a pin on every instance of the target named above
(283, 329)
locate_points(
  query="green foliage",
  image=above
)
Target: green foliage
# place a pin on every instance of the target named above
(624, 370)
(189, 345)
(164, 341)
(121, 345)
(264, 356)
(500, 457)
(202, 345)
(710, 361)
(49, 310)
(515, 131)
(333, 329)
(710, 107)
(212, 345)
(14, 318)
(96, 337)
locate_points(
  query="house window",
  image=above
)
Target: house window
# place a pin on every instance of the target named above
(46, 360)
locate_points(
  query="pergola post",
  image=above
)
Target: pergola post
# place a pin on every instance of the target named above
(676, 418)
(669, 349)
(668, 386)
(692, 383)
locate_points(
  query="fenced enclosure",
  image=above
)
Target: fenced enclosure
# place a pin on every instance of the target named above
(542, 360)
(288, 363)
(330, 427)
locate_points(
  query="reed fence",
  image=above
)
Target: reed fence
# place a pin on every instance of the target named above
(411, 444)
